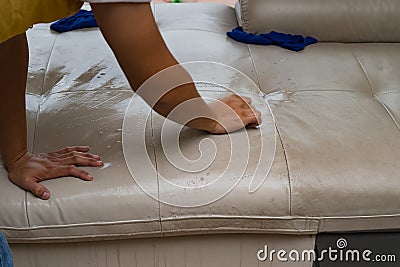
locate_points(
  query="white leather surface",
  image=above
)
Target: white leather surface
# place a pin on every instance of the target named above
(328, 21)
(336, 165)
(336, 111)
(194, 251)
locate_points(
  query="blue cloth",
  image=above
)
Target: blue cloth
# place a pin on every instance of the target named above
(82, 19)
(288, 41)
(6, 259)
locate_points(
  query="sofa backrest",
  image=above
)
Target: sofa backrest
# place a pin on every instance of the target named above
(326, 20)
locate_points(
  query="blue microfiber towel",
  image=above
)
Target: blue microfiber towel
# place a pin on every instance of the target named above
(82, 19)
(288, 41)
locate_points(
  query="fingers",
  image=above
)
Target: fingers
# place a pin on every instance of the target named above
(252, 119)
(36, 189)
(252, 125)
(246, 99)
(47, 166)
(42, 192)
(240, 114)
(250, 116)
(74, 172)
(243, 102)
(76, 156)
(237, 98)
(79, 154)
(72, 149)
(81, 161)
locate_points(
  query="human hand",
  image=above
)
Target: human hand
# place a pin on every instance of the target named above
(233, 113)
(31, 169)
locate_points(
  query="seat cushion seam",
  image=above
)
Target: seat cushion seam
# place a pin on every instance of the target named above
(390, 114)
(277, 130)
(373, 93)
(364, 72)
(47, 66)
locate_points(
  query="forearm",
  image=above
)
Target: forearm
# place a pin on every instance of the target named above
(13, 72)
(165, 85)
(133, 35)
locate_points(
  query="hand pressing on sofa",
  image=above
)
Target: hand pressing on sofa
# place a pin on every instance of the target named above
(132, 33)
(233, 113)
(31, 169)
(157, 76)
(25, 169)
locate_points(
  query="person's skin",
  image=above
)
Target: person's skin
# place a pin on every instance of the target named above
(133, 35)
(25, 169)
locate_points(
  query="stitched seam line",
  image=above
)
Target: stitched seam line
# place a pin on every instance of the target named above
(48, 64)
(364, 72)
(155, 160)
(279, 135)
(36, 122)
(373, 93)
(287, 169)
(390, 114)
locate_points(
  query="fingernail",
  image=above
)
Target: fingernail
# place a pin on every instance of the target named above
(90, 177)
(100, 162)
(45, 195)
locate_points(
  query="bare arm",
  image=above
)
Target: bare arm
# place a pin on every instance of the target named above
(26, 169)
(14, 60)
(133, 35)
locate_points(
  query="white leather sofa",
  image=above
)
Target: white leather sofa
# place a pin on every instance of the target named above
(332, 124)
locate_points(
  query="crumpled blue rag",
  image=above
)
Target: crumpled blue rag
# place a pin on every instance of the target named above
(82, 19)
(288, 41)
(6, 259)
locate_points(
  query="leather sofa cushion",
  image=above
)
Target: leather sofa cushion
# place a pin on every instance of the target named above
(326, 20)
(337, 113)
